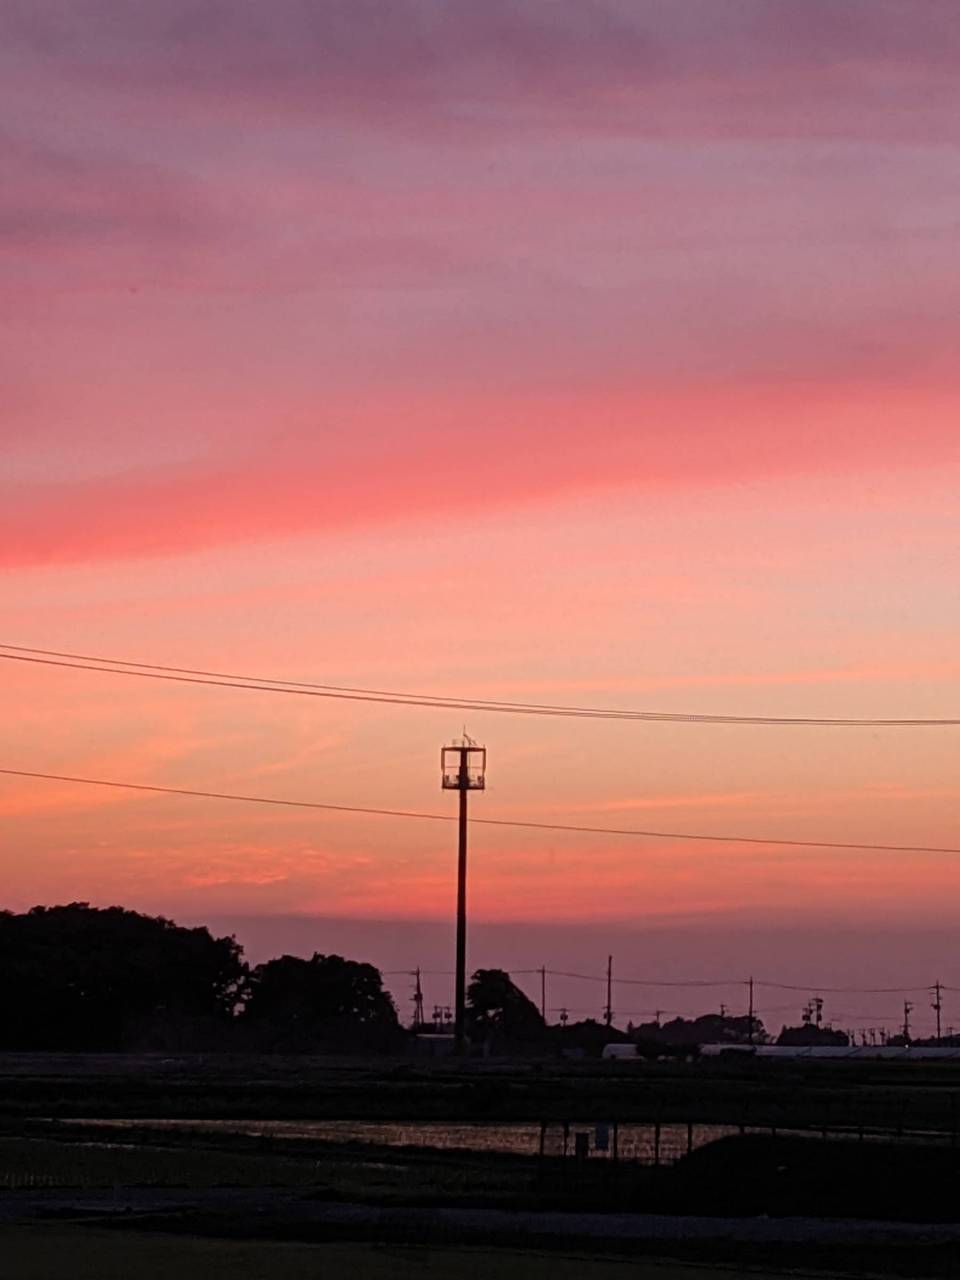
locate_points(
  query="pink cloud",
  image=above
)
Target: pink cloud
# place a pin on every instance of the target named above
(418, 460)
(880, 673)
(617, 61)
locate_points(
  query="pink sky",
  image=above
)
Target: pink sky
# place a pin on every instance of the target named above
(591, 352)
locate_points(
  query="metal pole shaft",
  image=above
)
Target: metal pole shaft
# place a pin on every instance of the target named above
(459, 1025)
(750, 1015)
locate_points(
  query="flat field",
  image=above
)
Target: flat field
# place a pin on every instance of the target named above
(893, 1096)
(71, 1253)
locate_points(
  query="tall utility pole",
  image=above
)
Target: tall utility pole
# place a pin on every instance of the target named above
(608, 1011)
(937, 1005)
(543, 993)
(462, 768)
(907, 1008)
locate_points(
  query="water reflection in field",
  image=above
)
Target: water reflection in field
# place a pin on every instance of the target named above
(631, 1141)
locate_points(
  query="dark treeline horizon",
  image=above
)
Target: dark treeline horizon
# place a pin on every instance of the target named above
(85, 978)
(811, 951)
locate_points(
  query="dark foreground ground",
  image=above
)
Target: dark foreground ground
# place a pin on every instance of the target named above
(84, 1240)
(869, 1185)
(70, 1253)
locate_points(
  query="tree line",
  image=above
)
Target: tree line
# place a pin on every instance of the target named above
(84, 978)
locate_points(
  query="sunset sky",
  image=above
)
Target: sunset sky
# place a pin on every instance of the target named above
(589, 351)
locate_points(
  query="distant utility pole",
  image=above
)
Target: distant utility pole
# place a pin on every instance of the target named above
(750, 1014)
(462, 768)
(937, 1006)
(543, 993)
(418, 1002)
(907, 1007)
(608, 1011)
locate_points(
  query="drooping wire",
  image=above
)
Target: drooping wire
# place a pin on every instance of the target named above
(225, 680)
(513, 823)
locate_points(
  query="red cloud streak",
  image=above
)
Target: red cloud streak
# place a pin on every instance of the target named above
(469, 455)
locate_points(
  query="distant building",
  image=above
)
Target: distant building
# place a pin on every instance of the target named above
(434, 1044)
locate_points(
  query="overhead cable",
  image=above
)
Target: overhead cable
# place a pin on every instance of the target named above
(513, 823)
(225, 680)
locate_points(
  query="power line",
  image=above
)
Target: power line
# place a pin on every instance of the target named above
(761, 1011)
(223, 795)
(841, 991)
(226, 680)
(486, 822)
(700, 983)
(644, 982)
(743, 982)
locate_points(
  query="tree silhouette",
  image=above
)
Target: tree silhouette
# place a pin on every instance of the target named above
(498, 1010)
(809, 1034)
(324, 1001)
(79, 977)
(708, 1028)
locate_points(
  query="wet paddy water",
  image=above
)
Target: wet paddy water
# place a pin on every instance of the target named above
(643, 1142)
